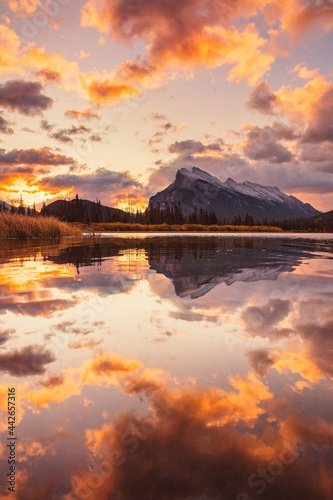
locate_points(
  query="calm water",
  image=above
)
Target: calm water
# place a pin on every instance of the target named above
(169, 368)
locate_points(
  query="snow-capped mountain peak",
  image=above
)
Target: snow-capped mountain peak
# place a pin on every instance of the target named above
(194, 188)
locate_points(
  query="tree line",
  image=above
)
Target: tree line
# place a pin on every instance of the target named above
(87, 212)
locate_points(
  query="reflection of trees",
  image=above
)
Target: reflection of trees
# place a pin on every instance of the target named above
(198, 264)
(201, 260)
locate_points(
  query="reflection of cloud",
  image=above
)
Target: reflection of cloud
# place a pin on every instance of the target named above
(261, 360)
(308, 350)
(43, 308)
(318, 341)
(5, 126)
(85, 344)
(5, 335)
(30, 360)
(260, 320)
(187, 448)
(106, 368)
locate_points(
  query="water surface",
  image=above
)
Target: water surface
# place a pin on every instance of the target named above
(169, 367)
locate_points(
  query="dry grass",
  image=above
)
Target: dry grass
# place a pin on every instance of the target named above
(120, 226)
(23, 227)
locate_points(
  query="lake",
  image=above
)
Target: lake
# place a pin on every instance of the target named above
(165, 367)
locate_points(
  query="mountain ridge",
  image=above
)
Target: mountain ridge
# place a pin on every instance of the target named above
(195, 189)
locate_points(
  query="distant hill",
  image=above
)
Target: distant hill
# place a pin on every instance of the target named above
(318, 223)
(196, 189)
(83, 211)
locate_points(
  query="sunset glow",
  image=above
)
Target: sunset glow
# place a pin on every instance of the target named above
(104, 99)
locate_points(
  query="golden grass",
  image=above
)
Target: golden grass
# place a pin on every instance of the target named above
(23, 227)
(133, 227)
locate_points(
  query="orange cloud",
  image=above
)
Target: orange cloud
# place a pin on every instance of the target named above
(298, 18)
(179, 37)
(300, 103)
(103, 91)
(10, 44)
(199, 430)
(68, 386)
(86, 114)
(37, 57)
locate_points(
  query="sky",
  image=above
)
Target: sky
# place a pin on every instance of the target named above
(108, 99)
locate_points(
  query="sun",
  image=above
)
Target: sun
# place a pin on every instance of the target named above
(30, 195)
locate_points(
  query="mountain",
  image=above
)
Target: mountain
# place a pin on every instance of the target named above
(12, 209)
(83, 211)
(6, 206)
(196, 188)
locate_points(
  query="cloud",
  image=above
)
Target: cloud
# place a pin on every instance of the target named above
(108, 90)
(321, 126)
(9, 43)
(50, 66)
(65, 135)
(5, 126)
(86, 114)
(262, 144)
(298, 18)
(22, 7)
(31, 60)
(30, 360)
(182, 36)
(24, 97)
(140, 72)
(163, 127)
(49, 76)
(190, 147)
(43, 156)
(109, 183)
(262, 99)
(53, 381)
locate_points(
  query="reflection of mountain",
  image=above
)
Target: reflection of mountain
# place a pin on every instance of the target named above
(199, 267)
(197, 264)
